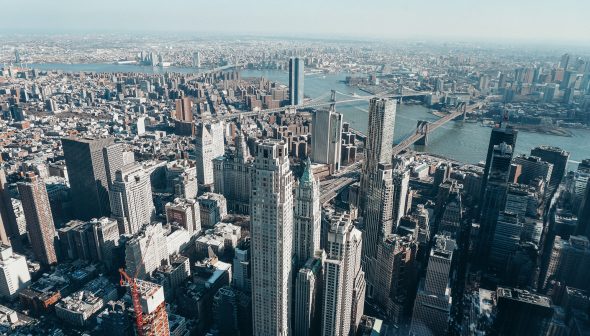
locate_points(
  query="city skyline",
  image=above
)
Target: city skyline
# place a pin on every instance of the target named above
(500, 20)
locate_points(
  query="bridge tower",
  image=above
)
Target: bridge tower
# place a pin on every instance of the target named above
(422, 129)
(333, 96)
(464, 107)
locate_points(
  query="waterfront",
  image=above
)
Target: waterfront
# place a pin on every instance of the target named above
(465, 142)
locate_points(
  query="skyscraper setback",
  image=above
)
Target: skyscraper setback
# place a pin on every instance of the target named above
(296, 77)
(271, 225)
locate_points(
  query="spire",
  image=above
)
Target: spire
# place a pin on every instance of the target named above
(307, 176)
(241, 147)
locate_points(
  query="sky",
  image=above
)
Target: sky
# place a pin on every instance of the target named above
(533, 20)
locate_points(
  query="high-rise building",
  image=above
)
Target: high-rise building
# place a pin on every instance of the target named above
(377, 220)
(271, 225)
(452, 216)
(186, 213)
(401, 180)
(344, 280)
(153, 304)
(196, 59)
(184, 109)
(433, 301)
(14, 272)
(308, 289)
(241, 273)
(90, 167)
(307, 217)
(396, 272)
(213, 209)
(494, 198)
(131, 199)
(232, 175)
(569, 262)
(498, 135)
(296, 78)
(505, 241)
(8, 224)
(520, 312)
(106, 236)
(39, 220)
(146, 250)
(226, 312)
(326, 138)
(209, 144)
(533, 167)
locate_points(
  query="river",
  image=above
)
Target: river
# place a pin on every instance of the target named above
(466, 142)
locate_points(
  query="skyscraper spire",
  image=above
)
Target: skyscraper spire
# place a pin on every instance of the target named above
(307, 216)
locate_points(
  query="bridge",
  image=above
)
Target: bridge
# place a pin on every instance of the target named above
(197, 75)
(318, 102)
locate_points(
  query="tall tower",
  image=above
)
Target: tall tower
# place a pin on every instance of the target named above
(308, 289)
(184, 109)
(499, 135)
(377, 220)
(296, 77)
(131, 199)
(271, 208)
(307, 216)
(89, 166)
(379, 145)
(432, 306)
(39, 220)
(401, 182)
(344, 280)
(558, 157)
(209, 144)
(326, 140)
(8, 225)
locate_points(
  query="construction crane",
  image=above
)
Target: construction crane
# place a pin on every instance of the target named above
(126, 280)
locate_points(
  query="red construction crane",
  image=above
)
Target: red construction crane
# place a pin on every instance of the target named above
(126, 280)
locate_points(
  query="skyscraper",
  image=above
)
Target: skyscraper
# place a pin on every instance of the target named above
(326, 139)
(505, 241)
(377, 220)
(307, 216)
(89, 168)
(39, 220)
(271, 224)
(186, 213)
(131, 199)
(401, 181)
(296, 77)
(147, 251)
(209, 144)
(433, 302)
(520, 312)
(498, 135)
(232, 175)
(184, 109)
(344, 282)
(308, 289)
(8, 225)
(555, 155)
(533, 167)
(14, 273)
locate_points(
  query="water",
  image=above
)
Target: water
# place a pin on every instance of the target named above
(466, 142)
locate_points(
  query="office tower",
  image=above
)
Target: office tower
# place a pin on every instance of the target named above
(308, 289)
(520, 312)
(307, 217)
(423, 217)
(196, 59)
(131, 199)
(225, 312)
(498, 135)
(533, 167)
(377, 220)
(181, 178)
(17, 59)
(433, 301)
(452, 217)
(39, 220)
(184, 109)
(153, 304)
(213, 209)
(401, 181)
(14, 272)
(8, 224)
(569, 262)
(209, 144)
(106, 236)
(296, 77)
(564, 61)
(505, 241)
(521, 200)
(344, 283)
(186, 213)
(90, 167)
(146, 250)
(396, 273)
(241, 276)
(494, 198)
(326, 138)
(271, 225)
(232, 175)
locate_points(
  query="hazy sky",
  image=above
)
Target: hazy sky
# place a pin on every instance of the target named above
(538, 20)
